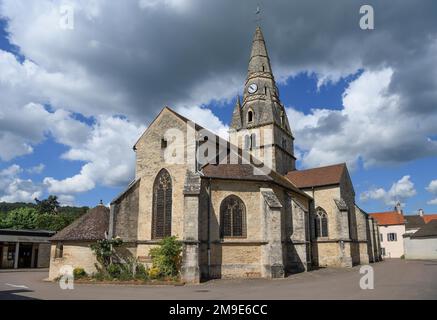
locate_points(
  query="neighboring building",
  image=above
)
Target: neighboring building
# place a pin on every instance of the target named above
(234, 218)
(420, 239)
(422, 244)
(71, 245)
(24, 248)
(391, 231)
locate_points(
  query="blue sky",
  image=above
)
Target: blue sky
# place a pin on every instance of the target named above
(98, 88)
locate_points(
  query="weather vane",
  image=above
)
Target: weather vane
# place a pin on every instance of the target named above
(258, 14)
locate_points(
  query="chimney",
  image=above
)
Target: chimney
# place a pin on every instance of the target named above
(398, 208)
(421, 212)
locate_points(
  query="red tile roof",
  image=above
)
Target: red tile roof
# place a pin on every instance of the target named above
(429, 217)
(388, 218)
(317, 177)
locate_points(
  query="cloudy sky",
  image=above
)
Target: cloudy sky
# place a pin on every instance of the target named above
(74, 100)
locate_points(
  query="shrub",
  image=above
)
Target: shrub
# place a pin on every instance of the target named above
(114, 270)
(154, 273)
(104, 250)
(79, 273)
(166, 258)
(142, 273)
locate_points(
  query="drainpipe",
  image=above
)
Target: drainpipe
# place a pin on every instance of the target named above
(209, 228)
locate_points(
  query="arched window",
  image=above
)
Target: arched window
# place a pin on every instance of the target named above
(232, 218)
(321, 223)
(250, 116)
(162, 203)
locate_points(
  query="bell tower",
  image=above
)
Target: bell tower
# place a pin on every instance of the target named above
(259, 123)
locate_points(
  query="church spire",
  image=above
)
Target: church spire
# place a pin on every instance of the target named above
(259, 59)
(261, 111)
(260, 92)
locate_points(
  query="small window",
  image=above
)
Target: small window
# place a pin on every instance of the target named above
(383, 251)
(59, 251)
(392, 237)
(163, 143)
(381, 237)
(252, 141)
(250, 116)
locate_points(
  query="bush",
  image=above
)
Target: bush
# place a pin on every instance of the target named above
(104, 250)
(166, 258)
(142, 273)
(79, 273)
(154, 273)
(114, 270)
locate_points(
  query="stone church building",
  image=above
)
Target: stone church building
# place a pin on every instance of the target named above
(240, 206)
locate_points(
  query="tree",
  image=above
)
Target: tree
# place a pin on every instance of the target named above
(21, 218)
(49, 205)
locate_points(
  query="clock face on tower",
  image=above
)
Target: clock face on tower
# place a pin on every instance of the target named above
(252, 88)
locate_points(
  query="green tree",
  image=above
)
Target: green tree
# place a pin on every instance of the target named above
(49, 205)
(21, 218)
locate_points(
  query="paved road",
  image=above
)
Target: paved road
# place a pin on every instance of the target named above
(394, 279)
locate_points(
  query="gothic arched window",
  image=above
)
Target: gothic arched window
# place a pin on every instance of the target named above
(232, 218)
(162, 204)
(321, 223)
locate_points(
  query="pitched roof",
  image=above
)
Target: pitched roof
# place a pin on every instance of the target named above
(388, 218)
(429, 217)
(428, 230)
(246, 172)
(317, 177)
(414, 222)
(91, 226)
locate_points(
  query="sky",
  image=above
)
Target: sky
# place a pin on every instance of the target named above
(81, 80)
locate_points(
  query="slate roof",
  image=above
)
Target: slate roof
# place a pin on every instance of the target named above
(90, 226)
(388, 218)
(429, 230)
(317, 177)
(414, 222)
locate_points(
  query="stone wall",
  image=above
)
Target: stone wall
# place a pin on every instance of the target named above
(75, 254)
(151, 158)
(43, 255)
(125, 215)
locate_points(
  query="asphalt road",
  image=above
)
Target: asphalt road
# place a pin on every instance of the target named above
(394, 279)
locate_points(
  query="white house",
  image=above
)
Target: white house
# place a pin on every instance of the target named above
(392, 229)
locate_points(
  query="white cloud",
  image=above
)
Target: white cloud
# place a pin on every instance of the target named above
(400, 190)
(432, 188)
(370, 127)
(66, 200)
(110, 160)
(206, 119)
(15, 189)
(432, 202)
(36, 169)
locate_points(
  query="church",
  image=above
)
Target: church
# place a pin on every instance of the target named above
(240, 206)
